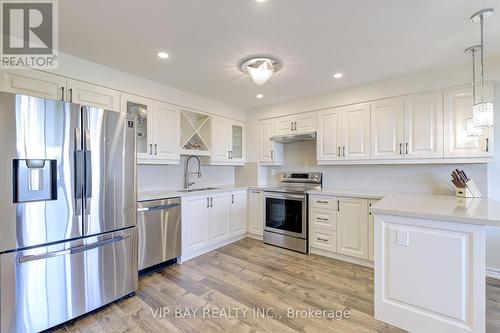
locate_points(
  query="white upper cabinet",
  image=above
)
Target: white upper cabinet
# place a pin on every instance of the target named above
(344, 133)
(228, 141)
(92, 95)
(157, 129)
(299, 123)
(166, 124)
(355, 132)
(33, 83)
(328, 136)
(270, 152)
(457, 109)
(387, 128)
(423, 117)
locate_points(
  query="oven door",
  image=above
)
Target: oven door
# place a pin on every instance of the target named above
(286, 214)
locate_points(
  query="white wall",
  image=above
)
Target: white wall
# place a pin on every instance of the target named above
(411, 178)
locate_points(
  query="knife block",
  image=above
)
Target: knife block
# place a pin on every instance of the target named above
(469, 191)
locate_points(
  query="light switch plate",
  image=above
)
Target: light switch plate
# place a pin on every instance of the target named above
(403, 238)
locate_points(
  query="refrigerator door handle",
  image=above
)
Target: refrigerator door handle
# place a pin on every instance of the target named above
(88, 171)
(43, 256)
(83, 248)
(79, 167)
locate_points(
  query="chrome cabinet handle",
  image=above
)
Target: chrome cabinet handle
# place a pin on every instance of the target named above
(406, 146)
(71, 94)
(272, 154)
(150, 149)
(291, 126)
(487, 144)
(211, 202)
(232, 198)
(62, 94)
(400, 149)
(208, 202)
(321, 201)
(156, 149)
(295, 126)
(338, 205)
(322, 239)
(321, 219)
(339, 152)
(343, 151)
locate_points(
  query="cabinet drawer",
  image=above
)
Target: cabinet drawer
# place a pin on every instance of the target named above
(325, 239)
(324, 202)
(324, 218)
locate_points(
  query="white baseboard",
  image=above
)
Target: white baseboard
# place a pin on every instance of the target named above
(342, 257)
(211, 247)
(493, 273)
(255, 236)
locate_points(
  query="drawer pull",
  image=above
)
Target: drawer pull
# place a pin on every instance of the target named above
(322, 239)
(321, 218)
(322, 201)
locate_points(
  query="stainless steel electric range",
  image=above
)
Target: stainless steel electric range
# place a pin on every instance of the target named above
(286, 216)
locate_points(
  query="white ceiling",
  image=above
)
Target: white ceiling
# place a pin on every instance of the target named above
(367, 40)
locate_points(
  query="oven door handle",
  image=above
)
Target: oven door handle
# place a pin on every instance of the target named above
(285, 196)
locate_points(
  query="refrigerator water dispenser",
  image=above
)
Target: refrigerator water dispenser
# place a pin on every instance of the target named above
(34, 180)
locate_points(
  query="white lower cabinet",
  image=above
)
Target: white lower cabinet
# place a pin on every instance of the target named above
(211, 221)
(238, 213)
(255, 213)
(340, 225)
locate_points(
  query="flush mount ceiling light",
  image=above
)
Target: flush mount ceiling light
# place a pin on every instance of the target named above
(482, 112)
(163, 55)
(260, 69)
(338, 75)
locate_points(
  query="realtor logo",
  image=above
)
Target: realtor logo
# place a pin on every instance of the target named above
(29, 34)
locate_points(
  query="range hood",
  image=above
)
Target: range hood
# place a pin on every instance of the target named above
(294, 137)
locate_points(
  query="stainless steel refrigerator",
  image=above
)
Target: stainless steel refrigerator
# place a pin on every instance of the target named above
(68, 241)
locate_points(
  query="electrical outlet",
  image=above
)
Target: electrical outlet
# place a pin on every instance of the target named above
(403, 238)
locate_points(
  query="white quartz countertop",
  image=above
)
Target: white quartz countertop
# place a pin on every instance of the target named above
(165, 194)
(440, 207)
(364, 194)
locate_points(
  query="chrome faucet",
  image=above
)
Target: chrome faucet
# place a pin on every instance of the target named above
(187, 173)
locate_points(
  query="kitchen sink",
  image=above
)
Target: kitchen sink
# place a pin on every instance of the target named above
(198, 189)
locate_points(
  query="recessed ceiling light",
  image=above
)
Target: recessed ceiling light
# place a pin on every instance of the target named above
(260, 96)
(338, 75)
(261, 0)
(163, 55)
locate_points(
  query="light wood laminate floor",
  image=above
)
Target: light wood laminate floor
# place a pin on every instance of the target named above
(251, 275)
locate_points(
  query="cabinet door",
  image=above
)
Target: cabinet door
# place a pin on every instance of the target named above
(218, 217)
(352, 228)
(371, 231)
(92, 95)
(238, 213)
(387, 129)
(255, 213)
(194, 223)
(270, 153)
(237, 142)
(32, 83)
(328, 140)
(166, 132)
(140, 107)
(304, 123)
(423, 116)
(221, 138)
(283, 125)
(457, 109)
(356, 132)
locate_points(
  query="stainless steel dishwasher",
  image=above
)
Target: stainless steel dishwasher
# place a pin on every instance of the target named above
(159, 226)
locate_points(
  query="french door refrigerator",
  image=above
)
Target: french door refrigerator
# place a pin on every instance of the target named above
(68, 241)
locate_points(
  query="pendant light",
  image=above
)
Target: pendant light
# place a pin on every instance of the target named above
(482, 112)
